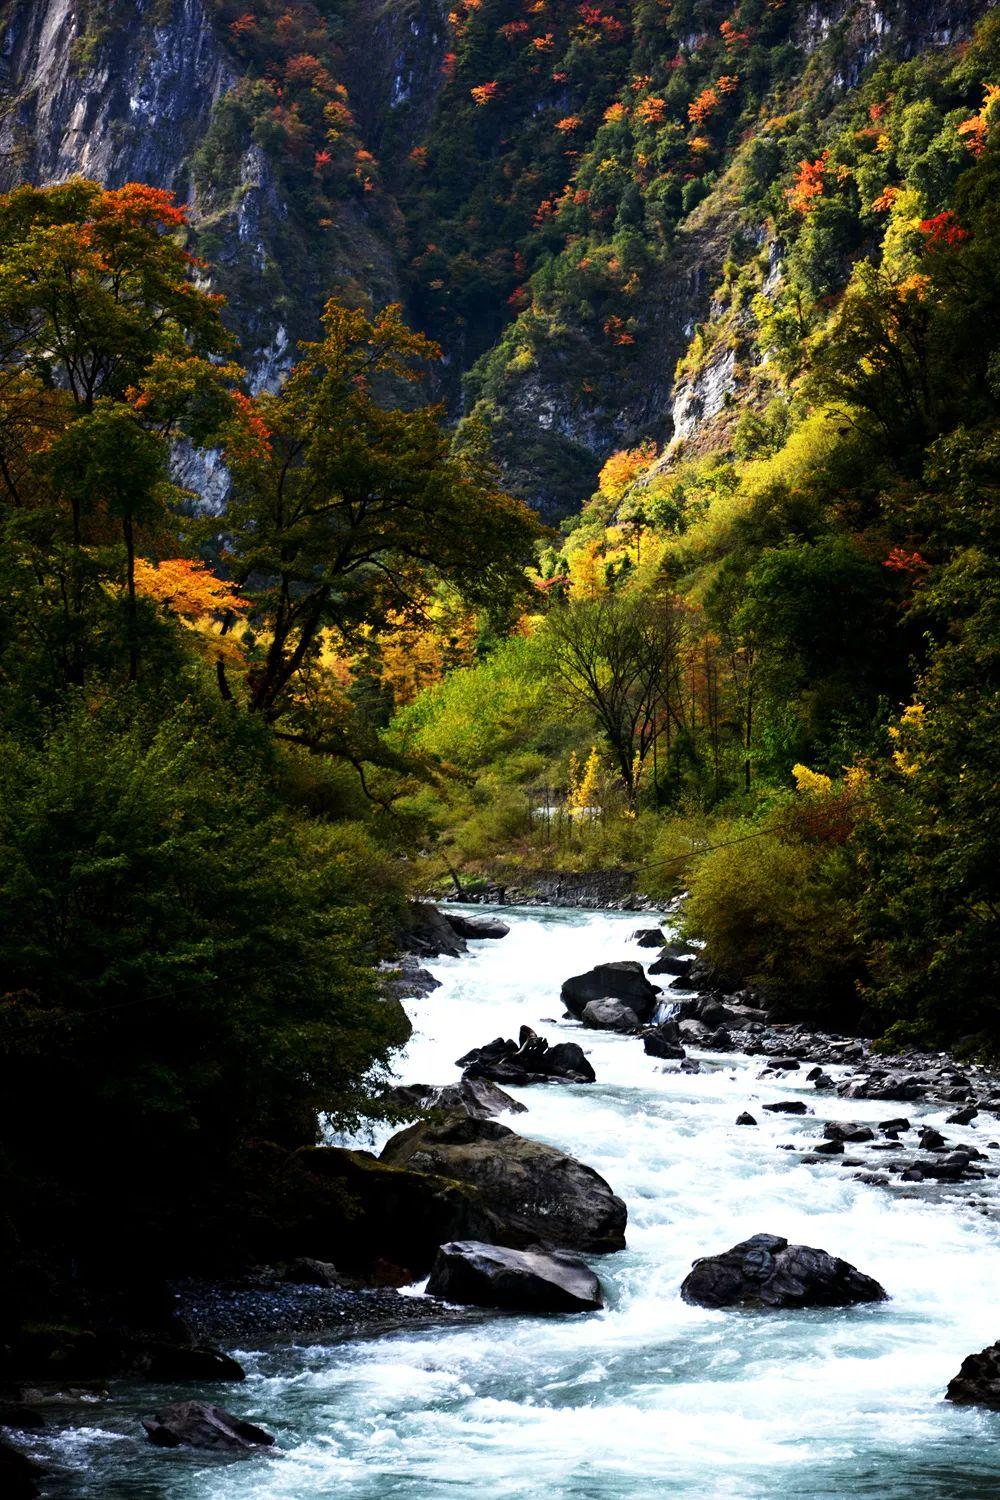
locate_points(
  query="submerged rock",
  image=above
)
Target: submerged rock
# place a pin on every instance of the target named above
(625, 981)
(540, 1195)
(475, 927)
(195, 1424)
(978, 1381)
(609, 1015)
(482, 1275)
(766, 1271)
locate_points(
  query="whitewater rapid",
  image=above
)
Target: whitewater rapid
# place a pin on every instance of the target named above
(650, 1397)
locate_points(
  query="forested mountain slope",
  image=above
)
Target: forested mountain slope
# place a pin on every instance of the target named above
(555, 190)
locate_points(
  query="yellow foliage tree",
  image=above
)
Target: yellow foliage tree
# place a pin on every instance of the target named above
(812, 782)
(585, 787)
(623, 469)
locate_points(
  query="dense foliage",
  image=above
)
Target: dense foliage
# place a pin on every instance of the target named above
(194, 903)
(766, 671)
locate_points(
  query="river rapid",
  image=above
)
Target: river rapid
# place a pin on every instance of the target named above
(650, 1397)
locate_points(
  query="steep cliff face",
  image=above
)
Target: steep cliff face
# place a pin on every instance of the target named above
(150, 92)
(555, 189)
(131, 103)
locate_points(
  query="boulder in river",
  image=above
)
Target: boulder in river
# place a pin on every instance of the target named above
(477, 1097)
(670, 963)
(648, 937)
(710, 1012)
(528, 1060)
(609, 1015)
(195, 1424)
(978, 1381)
(766, 1271)
(625, 981)
(475, 927)
(537, 1192)
(745, 1119)
(664, 1040)
(788, 1107)
(469, 1271)
(407, 979)
(848, 1130)
(429, 933)
(19, 1477)
(305, 1270)
(330, 1202)
(168, 1360)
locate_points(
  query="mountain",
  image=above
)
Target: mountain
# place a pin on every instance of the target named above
(567, 196)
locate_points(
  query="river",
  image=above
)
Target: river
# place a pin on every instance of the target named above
(650, 1397)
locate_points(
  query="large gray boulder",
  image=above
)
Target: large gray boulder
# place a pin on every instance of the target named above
(609, 1015)
(469, 1271)
(195, 1424)
(766, 1271)
(540, 1195)
(624, 981)
(978, 1381)
(475, 927)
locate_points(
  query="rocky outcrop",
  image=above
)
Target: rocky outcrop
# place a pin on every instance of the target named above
(767, 1272)
(528, 1060)
(194, 1424)
(978, 1381)
(517, 1280)
(534, 1189)
(624, 981)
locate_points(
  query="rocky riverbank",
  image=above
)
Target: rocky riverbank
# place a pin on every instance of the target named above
(340, 1229)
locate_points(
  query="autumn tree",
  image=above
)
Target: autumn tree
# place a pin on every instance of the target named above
(345, 507)
(108, 350)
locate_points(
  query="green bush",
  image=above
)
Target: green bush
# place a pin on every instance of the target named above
(778, 916)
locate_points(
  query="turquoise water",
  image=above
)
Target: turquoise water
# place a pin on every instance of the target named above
(650, 1397)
